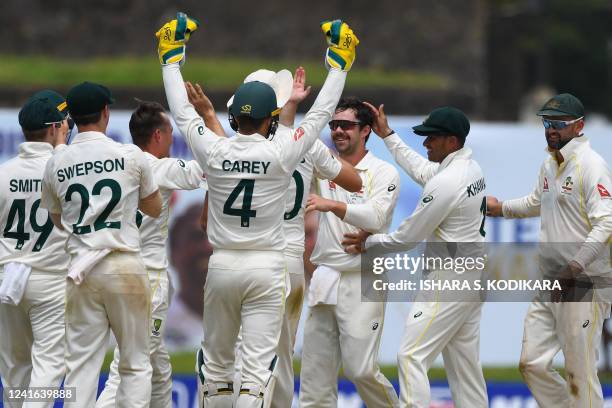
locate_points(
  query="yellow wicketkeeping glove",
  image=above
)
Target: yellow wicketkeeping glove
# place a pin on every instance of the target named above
(172, 38)
(342, 43)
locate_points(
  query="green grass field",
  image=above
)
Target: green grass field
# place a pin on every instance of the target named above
(212, 73)
(183, 363)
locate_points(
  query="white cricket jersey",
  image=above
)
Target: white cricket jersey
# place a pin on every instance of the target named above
(248, 176)
(169, 174)
(451, 207)
(28, 234)
(96, 185)
(370, 209)
(321, 161)
(573, 201)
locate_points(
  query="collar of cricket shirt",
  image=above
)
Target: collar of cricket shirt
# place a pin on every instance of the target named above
(463, 153)
(365, 162)
(31, 149)
(89, 136)
(572, 147)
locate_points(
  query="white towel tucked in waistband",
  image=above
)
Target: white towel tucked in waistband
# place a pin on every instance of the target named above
(83, 263)
(324, 286)
(14, 283)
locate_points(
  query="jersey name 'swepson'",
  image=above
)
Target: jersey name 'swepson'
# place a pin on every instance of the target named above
(28, 234)
(319, 162)
(248, 176)
(96, 184)
(170, 175)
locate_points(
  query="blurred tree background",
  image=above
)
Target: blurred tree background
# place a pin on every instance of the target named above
(495, 59)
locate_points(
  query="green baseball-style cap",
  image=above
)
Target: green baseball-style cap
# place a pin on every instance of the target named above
(446, 120)
(87, 98)
(55, 98)
(254, 99)
(564, 104)
(40, 111)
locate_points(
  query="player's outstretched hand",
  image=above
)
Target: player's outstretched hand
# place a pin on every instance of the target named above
(199, 100)
(354, 242)
(315, 202)
(381, 124)
(172, 38)
(300, 91)
(494, 207)
(341, 42)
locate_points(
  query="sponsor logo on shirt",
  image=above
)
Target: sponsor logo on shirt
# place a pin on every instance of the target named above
(545, 188)
(391, 187)
(427, 199)
(332, 185)
(299, 132)
(603, 193)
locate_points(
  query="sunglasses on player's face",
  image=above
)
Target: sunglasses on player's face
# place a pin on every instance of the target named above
(559, 124)
(344, 124)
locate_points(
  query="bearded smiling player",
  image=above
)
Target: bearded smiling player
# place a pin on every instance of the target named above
(572, 198)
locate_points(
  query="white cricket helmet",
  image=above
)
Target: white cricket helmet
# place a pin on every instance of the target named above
(281, 82)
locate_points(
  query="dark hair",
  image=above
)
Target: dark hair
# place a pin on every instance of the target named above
(145, 119)
(88, 119)
(249, 125)
(363, 113)
(37, 135)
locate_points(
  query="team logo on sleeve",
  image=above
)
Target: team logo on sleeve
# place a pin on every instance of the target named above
(391, 187)
(156, 326)
(299, 132)
(332, 185)
(427, 199)
(181, 163)
(603, 193)
(545, 188)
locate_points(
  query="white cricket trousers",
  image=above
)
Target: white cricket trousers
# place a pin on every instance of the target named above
(348, 332)
(282, 395)
(114, 296)
(574, 328)
(242, 288)
(161, 380)
(32, 336)
(450, 328)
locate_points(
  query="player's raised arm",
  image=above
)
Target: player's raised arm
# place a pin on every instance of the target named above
(204, 107)
(416, 166)
(339, 58)
(171, 49)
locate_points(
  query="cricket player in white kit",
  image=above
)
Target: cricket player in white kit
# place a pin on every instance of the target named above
(450, 210)
(345, 329)
(572, 197)
(151, 130)
(32, 257)
(92, 189)
(321, 162)
(248, 176)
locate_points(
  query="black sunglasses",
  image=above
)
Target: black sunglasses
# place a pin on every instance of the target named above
(344, 124)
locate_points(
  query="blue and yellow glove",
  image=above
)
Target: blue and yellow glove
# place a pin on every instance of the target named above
(342, 43)
(172, 38)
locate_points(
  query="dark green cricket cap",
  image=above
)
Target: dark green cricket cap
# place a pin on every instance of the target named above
(254, 99)
(55, 98)
(42, 109)
(564, 104)
(87, 98)
(446, 120)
